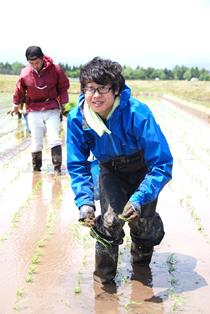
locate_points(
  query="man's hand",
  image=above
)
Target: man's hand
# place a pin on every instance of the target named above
(131, 211)
(63, 110)
(13, 110)
(87, 215)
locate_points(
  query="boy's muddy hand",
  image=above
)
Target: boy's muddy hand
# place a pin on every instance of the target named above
(131, 212)
(87, 222)
(87, 215)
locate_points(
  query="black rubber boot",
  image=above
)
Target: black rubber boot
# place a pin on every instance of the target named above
(141, 255)
(105, 263)
(56, 153)
(37, 161)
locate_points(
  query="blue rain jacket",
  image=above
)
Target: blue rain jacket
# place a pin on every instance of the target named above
(133, 129)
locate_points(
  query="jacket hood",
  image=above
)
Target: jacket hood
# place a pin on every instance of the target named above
(47, 61)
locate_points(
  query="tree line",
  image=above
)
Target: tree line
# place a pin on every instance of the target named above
(138, 73)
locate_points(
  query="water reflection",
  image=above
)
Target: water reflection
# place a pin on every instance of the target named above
(142, 274)
(142, 295)
(134, 296)
(106, 298)
(56, 192)
(132, 291)
(177, 274)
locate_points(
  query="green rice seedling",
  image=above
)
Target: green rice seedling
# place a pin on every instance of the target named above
(121, 217)
(69, 106)
(187, 203)
(16, 218)
(37, 186)
(46, 237)
(41, 243)
(173, 282)
(35, 259)
(17, 215)
(125, 279)
(32, 269)
(19, 293)
(50, 223)
(130, 304)
(171, 263)
(177, 300)
(127, 240)
(15, 307)
(4, 237)
(29, 278)
(38, 252)
(120, 257)
(77, 289)
(50, 220)
(99, 238)
(84, 260)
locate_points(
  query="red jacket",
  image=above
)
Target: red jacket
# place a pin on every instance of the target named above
(45, 90)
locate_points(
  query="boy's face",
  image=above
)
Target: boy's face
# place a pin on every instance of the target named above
(100, 98)
(36, 64)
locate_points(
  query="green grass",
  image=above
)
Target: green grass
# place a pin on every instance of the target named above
(196, 92)
(7, 83)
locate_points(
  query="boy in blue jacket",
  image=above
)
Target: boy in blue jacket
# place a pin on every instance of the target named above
(134, 159)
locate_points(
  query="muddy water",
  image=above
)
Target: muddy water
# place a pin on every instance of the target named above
(47, 258)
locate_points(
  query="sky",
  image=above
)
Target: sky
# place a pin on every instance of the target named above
(156, 33)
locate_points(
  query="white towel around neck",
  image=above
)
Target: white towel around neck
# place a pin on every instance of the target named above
(95, 121)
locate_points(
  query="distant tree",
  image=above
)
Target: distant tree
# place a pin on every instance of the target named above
(179, 72)
(17, 67)
(195, 72)
(168, 74)
(188, 75)
(204, 75)
(155, 74)
(1, 67)
(139, 73)
(149, 73)
(128, 72)
(6, 68)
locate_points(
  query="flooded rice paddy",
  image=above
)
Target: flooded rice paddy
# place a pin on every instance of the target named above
(47, 258)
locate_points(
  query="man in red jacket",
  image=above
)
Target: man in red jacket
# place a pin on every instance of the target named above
(44, 86)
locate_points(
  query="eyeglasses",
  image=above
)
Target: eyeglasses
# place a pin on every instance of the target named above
(101, 90)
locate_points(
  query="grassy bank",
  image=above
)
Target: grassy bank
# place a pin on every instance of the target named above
(196, 92)
(7, 84)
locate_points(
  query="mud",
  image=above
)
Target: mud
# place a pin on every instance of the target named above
(47, 258)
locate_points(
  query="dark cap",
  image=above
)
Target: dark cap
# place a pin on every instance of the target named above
(34, 52)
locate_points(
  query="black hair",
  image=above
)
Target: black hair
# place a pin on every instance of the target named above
(104, 72)
(34, 52)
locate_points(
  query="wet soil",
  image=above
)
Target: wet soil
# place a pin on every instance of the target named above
(47, 258)
(204, 115)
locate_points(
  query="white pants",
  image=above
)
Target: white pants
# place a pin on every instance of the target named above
(41, 122)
